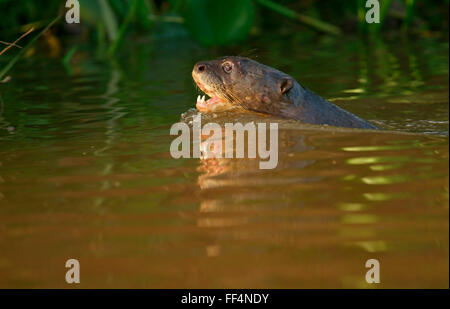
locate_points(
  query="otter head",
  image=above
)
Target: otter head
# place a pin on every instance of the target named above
(238, 81)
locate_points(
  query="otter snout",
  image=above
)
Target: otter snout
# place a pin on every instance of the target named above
(205, 78)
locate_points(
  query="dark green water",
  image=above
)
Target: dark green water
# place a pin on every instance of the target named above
(86, 173)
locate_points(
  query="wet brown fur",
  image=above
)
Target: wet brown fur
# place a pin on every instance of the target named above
(257, 87)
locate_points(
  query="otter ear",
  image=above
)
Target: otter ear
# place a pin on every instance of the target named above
(285, 84)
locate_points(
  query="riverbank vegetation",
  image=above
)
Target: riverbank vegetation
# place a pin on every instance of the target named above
(109, 23)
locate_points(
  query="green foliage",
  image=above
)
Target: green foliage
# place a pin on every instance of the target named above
(308, 20)
(218, 22)
(11, 62)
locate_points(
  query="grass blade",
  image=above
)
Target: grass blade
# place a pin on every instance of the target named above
(14, 43)
(307, 20)
(109, 20)
(130, 16)
(10, 64)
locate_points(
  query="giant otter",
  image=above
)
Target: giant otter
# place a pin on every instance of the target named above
(239, 82)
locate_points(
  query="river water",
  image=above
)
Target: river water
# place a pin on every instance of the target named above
(86, 173)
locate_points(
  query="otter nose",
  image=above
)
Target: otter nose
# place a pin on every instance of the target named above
(200, 67)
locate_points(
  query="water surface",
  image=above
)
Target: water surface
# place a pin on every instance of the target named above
(86, 173)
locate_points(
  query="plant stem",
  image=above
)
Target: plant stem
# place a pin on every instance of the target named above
(307, 20)
(14, 43)
(10, 64)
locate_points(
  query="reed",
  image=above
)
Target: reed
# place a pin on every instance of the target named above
(109, 21)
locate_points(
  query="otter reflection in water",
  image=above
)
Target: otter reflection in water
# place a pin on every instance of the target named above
(242, 83)
(237, 175)
(223, 138)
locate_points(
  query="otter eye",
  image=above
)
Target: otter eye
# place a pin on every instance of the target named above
(227, 67)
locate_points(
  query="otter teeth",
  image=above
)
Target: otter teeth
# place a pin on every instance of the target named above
(201, 100)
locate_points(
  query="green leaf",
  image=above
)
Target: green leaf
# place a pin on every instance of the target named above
(123, 27)
(307, 20)
(109, 19)
(218, 22)
(143, 12)
(69, 55)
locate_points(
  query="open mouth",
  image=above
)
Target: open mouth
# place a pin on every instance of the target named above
(214, 103)
(209, 105)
